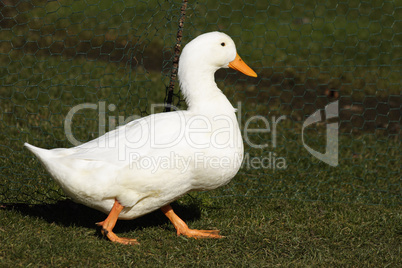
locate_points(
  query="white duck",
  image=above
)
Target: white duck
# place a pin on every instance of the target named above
(150, 162)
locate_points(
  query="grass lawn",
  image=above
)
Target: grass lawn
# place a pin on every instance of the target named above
(258, 232)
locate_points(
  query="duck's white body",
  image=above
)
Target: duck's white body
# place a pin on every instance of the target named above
(148, 177)
(152, 161)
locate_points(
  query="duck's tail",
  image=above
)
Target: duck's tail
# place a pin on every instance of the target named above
(42, 154)
(50, 159)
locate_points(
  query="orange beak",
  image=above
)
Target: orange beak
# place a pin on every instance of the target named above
(239, 65)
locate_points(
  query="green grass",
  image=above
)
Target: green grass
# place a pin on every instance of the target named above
(347, 46)
(259, 233)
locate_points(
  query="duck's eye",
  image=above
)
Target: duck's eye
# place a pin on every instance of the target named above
(223, 44)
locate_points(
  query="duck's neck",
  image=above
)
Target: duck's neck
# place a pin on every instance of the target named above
(202, 95)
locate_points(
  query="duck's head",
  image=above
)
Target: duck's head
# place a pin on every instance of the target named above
(209, 52)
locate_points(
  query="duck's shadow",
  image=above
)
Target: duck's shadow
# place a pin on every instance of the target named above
(68, 213)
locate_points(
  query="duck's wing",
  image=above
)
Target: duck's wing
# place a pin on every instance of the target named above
(152, 135)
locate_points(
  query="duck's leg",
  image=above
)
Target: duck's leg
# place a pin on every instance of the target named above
(110, 222)
(182, 228)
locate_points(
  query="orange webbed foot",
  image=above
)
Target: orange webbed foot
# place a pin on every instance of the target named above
(199, 233)
(182, 228)
(114, 238)
(108, 225)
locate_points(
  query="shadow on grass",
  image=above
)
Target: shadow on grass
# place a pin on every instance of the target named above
(67, 213)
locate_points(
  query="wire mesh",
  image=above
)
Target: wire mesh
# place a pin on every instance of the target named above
(117, 55)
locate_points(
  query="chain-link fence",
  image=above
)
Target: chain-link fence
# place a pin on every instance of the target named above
(117, 55)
